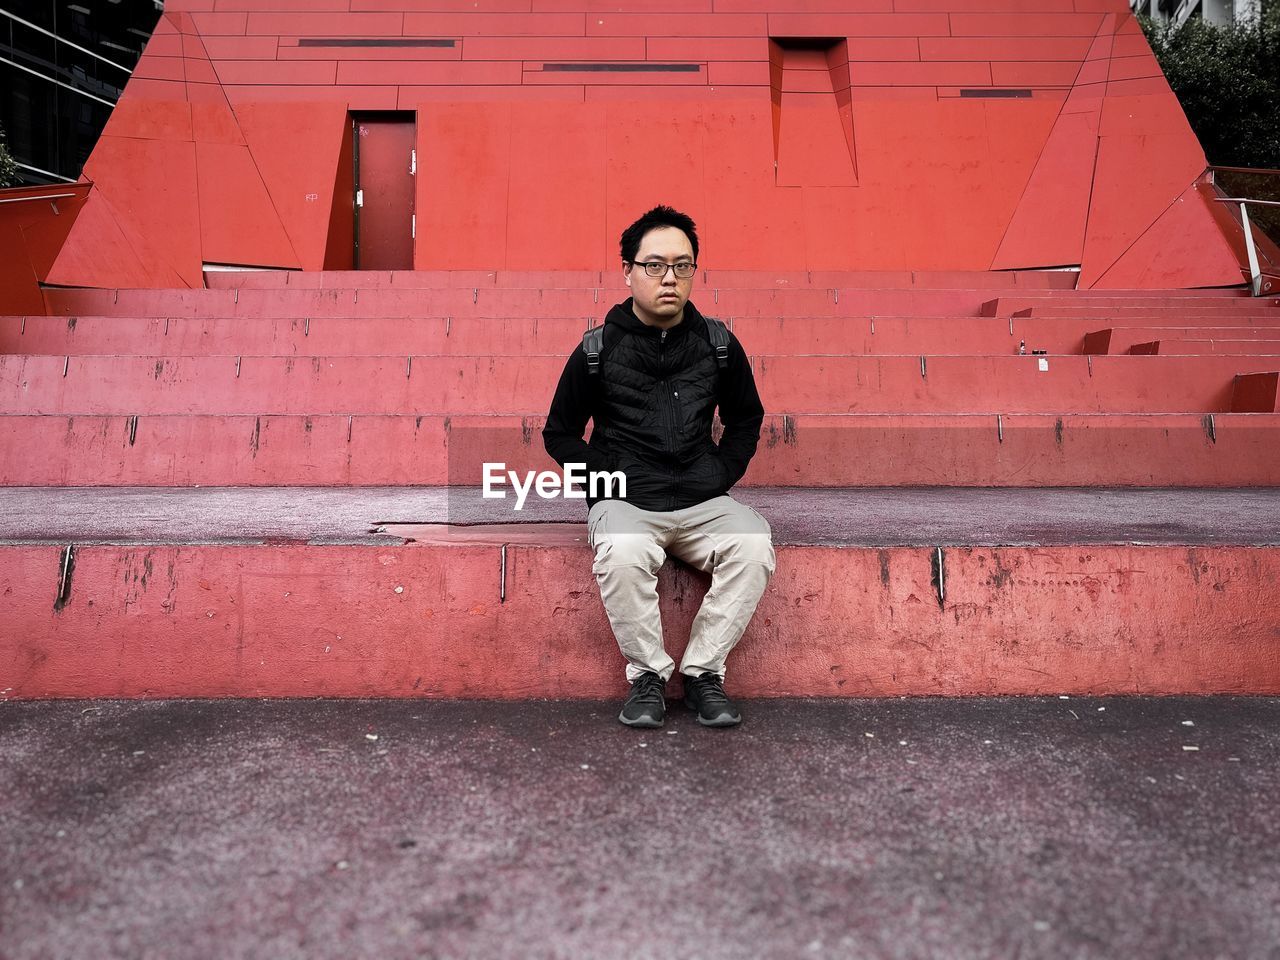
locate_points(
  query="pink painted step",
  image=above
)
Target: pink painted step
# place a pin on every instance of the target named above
(506, 614)
(1256, 347)
(820, 451)
(486, 385)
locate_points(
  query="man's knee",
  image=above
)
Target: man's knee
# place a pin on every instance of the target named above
(628, 550)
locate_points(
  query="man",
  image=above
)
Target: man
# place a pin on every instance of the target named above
(651, 381)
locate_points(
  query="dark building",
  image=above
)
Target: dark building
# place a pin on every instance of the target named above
(63, 66)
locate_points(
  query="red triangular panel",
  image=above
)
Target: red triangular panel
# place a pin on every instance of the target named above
(1147, 156)
(151, 185)
(296, 148)
(1047, 230)
(1184, 248)
(98, 254)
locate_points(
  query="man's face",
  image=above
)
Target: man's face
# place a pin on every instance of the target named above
(659, 301)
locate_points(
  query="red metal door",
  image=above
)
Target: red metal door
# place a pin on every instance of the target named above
(385, 168)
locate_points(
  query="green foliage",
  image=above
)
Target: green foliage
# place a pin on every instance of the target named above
(1228, 81)
(8, 168)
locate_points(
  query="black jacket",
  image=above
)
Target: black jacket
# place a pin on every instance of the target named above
(652, 403)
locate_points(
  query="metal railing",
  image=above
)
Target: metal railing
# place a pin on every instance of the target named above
(1261, 282)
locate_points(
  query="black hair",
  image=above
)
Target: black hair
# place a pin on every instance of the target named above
(659, 216)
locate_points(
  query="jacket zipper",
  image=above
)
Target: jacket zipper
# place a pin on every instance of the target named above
(668, 414)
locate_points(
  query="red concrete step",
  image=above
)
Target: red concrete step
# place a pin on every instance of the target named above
(877, 593)
(754, 279)
(380, 336)
(547, 302)
(522, 385)
(814, 451)
(1255, 347)
(1119, 300)
(1113, 340)
(373, 336)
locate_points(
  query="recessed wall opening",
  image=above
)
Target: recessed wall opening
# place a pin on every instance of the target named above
(813, 137)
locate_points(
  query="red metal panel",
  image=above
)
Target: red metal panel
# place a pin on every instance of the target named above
(150, 120)
(241, 48)
(743, 73)
(677, 24)
(410, 97)
(318, 24)
(1005, 48)
(1134, 68)
(642, 170)
(689, 93)
(289, 50)
(306, 6)
(859, 25)
(199, 71)
(921, 73)
(386, 181)
(1138, 176)
(807, 6)
(99, 252)
(159, 68)
(542, 229)
(152, 188)
(988, 6)
(357, 98)
(1183, 248)
(620, 6)
(707, 48)
(1034, 74)
(460, 72)
(812, 149)
(444, 6)
(535, 75)
(297, 150)
(556, 48)
(463, 156)
(883, 48)
(213, 122)
(1025, 24)
(238, 223)
(493, 24)
(278, 72)
(893, 93)
(339, 250)
(1057, 193)
(221, 24)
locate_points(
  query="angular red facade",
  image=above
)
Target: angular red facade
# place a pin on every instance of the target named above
(864, 135)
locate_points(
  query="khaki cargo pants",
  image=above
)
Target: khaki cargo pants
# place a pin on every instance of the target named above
(725, 538)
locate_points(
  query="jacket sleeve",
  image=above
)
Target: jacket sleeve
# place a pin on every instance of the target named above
(571, 408)
(741, 412)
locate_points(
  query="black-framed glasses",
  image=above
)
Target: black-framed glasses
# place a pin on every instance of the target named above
(684, 270)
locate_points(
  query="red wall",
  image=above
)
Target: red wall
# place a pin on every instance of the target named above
(232, 134)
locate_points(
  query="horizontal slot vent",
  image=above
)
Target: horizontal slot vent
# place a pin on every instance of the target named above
(984, 92)
(374, 42)
(621, 67)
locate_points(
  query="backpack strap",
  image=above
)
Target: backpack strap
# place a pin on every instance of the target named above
(593, 346)
(719, 335)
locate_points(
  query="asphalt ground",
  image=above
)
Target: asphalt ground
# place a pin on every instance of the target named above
(1005, 828)
(861, 516)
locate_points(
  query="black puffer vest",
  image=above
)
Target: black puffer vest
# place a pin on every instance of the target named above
(656, 398)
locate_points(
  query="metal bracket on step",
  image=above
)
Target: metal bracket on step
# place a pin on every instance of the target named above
(939, 576)
(1209, 428)
(502, 576)
(133, 429)
(999, 428)
(66, 566)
